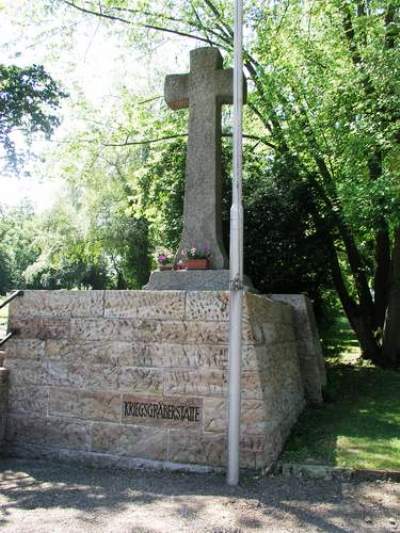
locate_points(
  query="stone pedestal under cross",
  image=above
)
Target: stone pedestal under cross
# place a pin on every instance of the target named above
(203, 90)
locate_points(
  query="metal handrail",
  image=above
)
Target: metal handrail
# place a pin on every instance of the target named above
(11, 298)
(8, 336)
(3, 304)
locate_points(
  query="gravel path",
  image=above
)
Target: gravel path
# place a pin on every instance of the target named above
(46, 497)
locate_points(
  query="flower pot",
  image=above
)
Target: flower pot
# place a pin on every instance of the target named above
(196, 264)
(169, 266)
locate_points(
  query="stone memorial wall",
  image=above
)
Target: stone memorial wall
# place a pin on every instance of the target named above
(140, 377)
(3, 399)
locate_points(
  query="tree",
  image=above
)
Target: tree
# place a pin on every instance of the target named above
(325, 100)
(98, 246)
(28, 97)
(18, 231)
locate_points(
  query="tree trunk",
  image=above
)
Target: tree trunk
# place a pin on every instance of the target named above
(356, 314)
(370, 348)
(391, 336)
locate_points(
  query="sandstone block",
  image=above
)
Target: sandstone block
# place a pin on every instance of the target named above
(61, 374)
(248, 459)
(58, 304)
(255, 357)
(252, 384)
(309, 346)
(23, 429)
(157, 305)
(254, 415)
(135, 441)
(189, 356)
(189, 332)
(215, 415)
(252, 442)
(28, 399)
(184, 447)
(201, 382)
(63, 433)
(17, 348)
(76, 304)
(97, 352)
(80, 375)
(212, 305)
(102, 377)
(148, 380)
(102, 329)
(87, 405)
(40, 328)
(286, 332)
(30, 304)
(263, 309)
(27, 372)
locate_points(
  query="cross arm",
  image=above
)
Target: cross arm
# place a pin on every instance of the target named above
(224, 86)
(176, 91)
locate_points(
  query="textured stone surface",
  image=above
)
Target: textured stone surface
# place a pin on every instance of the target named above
(133, 304)
(195, 382)
(147, 380)
(25, 373)
(63, 304)
(41, 328)
(201, 305)
(139, 441)
(70, 376)
(64, 433)
(88, 405)
(111, 352)
(169, 355)
(186, 447)
(203, 90)
(254, 415)
(4, 375)
(28, 398)
(308, 345)
(192, 280)
(25, 349)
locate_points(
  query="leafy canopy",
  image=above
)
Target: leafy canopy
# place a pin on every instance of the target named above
(28, 98)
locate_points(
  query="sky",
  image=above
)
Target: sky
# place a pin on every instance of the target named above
(93, 64)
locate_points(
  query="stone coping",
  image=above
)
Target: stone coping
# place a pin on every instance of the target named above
(193, 280)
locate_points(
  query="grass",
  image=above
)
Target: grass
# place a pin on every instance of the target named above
(359, 425)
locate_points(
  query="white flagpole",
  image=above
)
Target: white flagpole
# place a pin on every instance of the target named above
(236, 261)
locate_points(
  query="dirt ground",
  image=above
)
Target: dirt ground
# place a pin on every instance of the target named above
(47, 497)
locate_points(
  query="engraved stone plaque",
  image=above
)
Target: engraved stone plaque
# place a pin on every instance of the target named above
(162, 411)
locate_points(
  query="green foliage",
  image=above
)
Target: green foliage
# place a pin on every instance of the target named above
(284, 252)
(5, 271)
(321, 181)
(28, 98)
(18, 249)
(89, 253)
(161, 186)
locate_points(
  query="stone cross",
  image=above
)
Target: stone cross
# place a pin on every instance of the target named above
(203, 90)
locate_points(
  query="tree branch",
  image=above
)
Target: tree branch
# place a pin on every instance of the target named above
(180, 135)
(146, 141)
(226, 29)
(143, 25)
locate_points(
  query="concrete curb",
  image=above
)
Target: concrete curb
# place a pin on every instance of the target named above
(333, 472)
